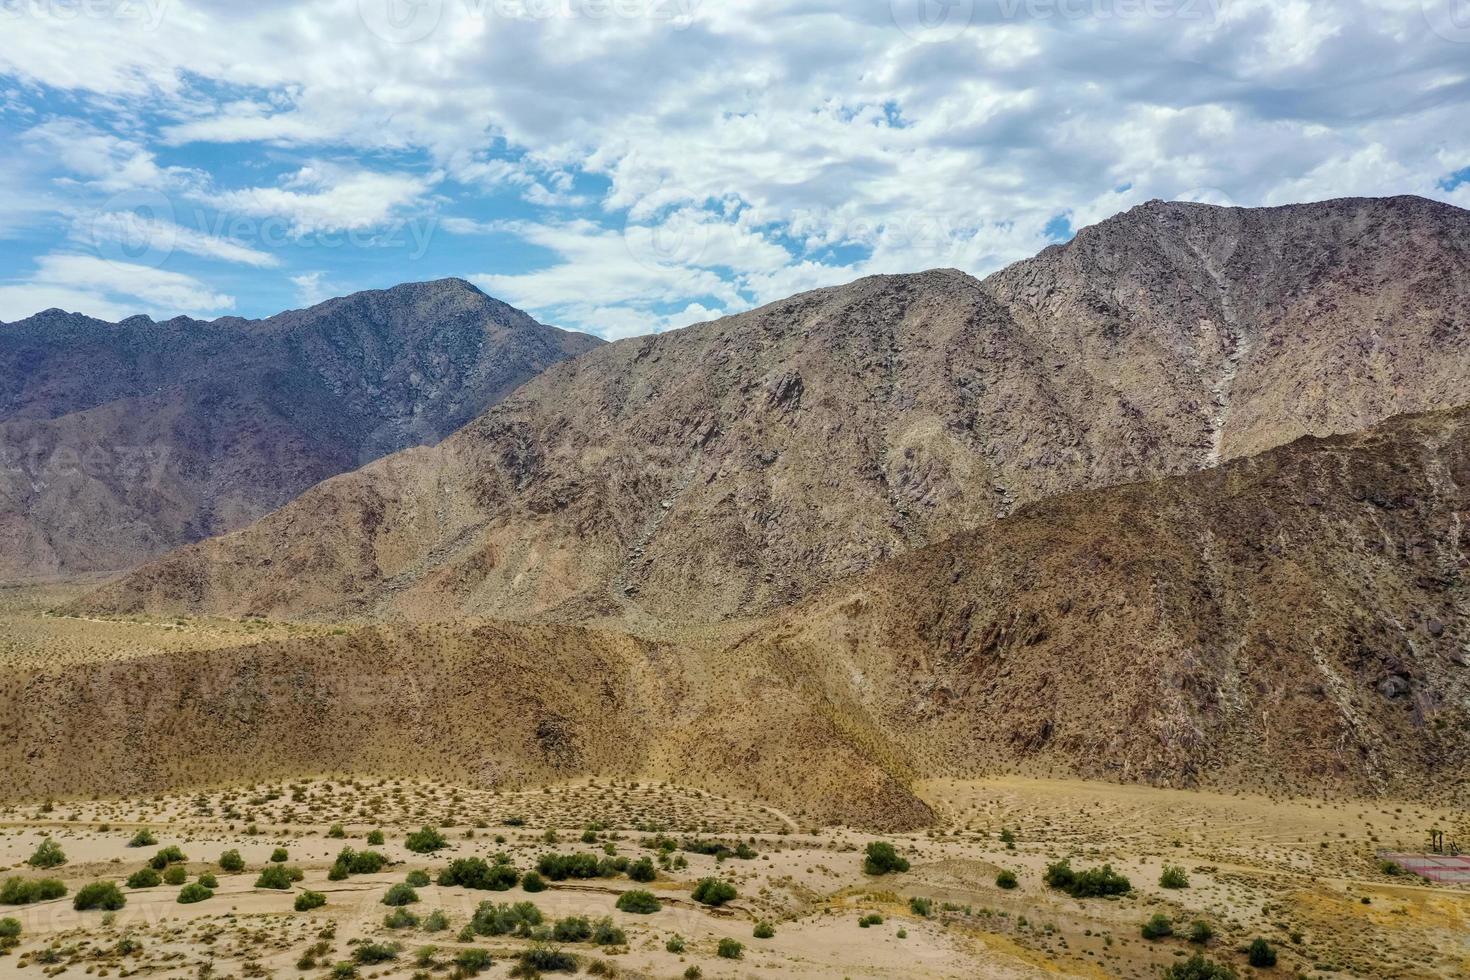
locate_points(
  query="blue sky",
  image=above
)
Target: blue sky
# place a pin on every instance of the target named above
(627, 166)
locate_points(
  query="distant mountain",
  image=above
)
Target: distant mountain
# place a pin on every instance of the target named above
(732, 467)
(1294, 622)
(122, 441)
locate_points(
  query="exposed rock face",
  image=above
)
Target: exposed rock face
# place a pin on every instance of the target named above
(121, 441)
(734, 466)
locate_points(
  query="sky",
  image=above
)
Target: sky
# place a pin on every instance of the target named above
(630, 166)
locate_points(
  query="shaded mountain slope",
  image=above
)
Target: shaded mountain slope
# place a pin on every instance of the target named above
(735, 466)
(122, 441)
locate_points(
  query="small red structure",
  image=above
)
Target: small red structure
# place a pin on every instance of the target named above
(1450, 869)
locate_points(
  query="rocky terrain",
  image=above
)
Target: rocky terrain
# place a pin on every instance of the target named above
(733, 467)
(119, 442)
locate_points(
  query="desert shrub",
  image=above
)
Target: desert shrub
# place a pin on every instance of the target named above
(175, 874)
(1200, 932)
(375, 838)
(276, 876)
(545, 958)
(642, 870)
(572, 929)
(1198, 968)
(418, 878)
(231, 861)
(436, 921)
(729, 949)
(1157, 927)
(472, 961)
(478, 874)
(425, 840)
(280, 856)
(1006, 880)
(375, 953)
(604, 933)
(868, 921)
(350, 862)
(492, 919)
(713, 892)
(308, 900)
(99, 895)
(401, 894)
(881, 859)
(532, 881)
(144, 878)
(675, 945)
(166, 856)
(208, 880)
(23, 891)
(638, 902)
(1260, 953)
(9, 928)
(1173, 877)
(336, 832)
(1091, 883)
(921, 906)
(143, 838)
(194, 892)
(48, 855)
(764, 930)
(611, 867)
(400, 918)
(343, 971)
(560, 867)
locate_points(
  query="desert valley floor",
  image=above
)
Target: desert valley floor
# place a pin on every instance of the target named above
(1301, 874)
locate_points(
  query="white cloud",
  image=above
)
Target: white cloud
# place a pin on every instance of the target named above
(322, 198)
(107, 289)
(311, 288)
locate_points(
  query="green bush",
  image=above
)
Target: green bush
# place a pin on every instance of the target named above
(604, 933)
(642, 870)
(143, 838)
(713, 892)
(921, 906)
(369, 953)
(343, 971)
(308, 900)
(543, 958)
(1261, 954)
(231, 861)
(472, 961)
(24, 891)
(868, 921)
(1091, 883)
(729, 949)
(764, 930)
(1157, 927)
(208, 880)
(492, 919)
(881, 859)
(166, 856)
(336, 832)
(375, 838)
(425, 840)
(401, 894)
(476, 873)
(176, 874)
(99, 895)
(194, 892)
(276, 876)
(1006, 880)
(144, 878)
(572, 929)
(560, 867)
(280, 856)
(418, 878)
(48, 855)
(350, 862)
(675, 945)
(1200, 932)
(400, 918)
(638, 902)
(9, 928)
(1198, 968)
(532, 881)
(436, 921)
(1173, 877)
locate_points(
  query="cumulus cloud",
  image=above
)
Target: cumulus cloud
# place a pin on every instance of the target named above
(107, 289)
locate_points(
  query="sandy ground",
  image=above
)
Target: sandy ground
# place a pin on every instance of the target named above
(1294, 872)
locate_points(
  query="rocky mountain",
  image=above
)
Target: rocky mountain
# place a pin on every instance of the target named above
(735, 466)
(122, 441)
(1289, 622)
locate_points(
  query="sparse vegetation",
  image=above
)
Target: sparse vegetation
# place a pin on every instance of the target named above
(479, 874)
(1197, 967)
(26, 891)
(48, 855)
(1006, 880)
(880, 858)
(1173, 877)
(308, 900)
(729, 949)
(713, 892)
(638, 902)
(425, 840)
(143, 838)
(102, 895)
(231, 861)
(194, 892)
(1091, 883)
(764, 930)
(1158, 926)
(1260, 954)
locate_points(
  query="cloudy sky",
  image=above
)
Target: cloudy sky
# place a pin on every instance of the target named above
(624, 166)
